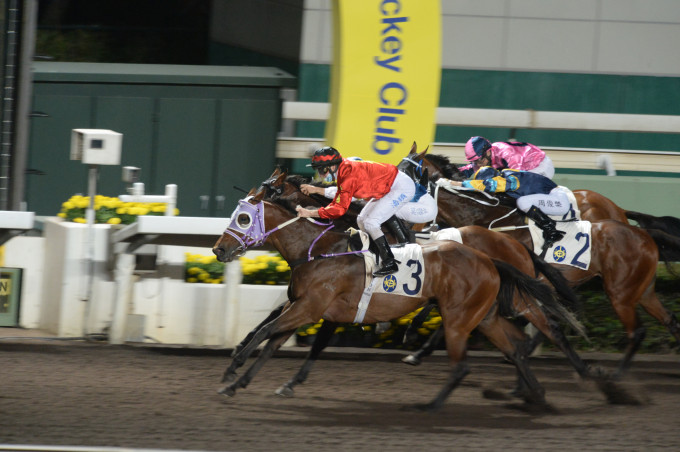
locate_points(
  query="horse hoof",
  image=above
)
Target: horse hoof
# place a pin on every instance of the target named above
(227, 391)
(411, 359)
(285, 391)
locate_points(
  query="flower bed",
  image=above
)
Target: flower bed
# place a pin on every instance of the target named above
(268, 269)
(109, 210)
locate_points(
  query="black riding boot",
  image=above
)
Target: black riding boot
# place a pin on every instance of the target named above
(388, 262)
(550, 234)
(399, 230)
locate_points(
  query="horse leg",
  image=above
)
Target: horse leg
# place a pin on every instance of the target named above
(624, 304)
(240, 358)
(650, 302)
(272, 345)
(321, 340)
(272, 315)
(550, 329)
(428, 347)
(411, 333)
(513, 343)
(456, 344)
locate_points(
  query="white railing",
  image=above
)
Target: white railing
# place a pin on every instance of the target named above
(608, 159)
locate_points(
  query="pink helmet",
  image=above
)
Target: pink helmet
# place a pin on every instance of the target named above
(476, 147)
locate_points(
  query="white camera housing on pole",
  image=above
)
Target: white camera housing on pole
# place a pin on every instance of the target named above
(96, 146)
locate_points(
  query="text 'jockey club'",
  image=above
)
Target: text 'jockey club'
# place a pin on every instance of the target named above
(392, 95)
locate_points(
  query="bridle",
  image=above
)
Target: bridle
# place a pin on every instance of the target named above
(248, 229)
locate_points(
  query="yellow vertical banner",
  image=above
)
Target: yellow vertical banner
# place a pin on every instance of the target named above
(385, 79)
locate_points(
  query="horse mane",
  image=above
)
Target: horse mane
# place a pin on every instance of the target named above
(448, 169)
(287, 204)
(297, 180)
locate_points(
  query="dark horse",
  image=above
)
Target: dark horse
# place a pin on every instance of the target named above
(593, 206)
(624, 256)
(494, 244)
(464, 282)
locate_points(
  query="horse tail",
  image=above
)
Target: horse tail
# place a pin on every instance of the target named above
(670, 225)
(566, 293)
(532, 290)
(669, 248)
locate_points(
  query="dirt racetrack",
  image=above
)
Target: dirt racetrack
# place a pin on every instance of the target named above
(95, 394)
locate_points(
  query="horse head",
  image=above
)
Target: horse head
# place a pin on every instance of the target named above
(412, 165)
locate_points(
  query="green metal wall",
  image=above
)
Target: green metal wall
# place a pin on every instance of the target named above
(203, 136)
(538, 91)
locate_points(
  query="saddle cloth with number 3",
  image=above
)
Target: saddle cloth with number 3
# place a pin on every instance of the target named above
(408, 280)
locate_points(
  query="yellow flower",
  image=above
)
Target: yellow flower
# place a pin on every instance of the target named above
(79, 220)
(68, 205)
(61, 215)
(114, 220)
(192, 280)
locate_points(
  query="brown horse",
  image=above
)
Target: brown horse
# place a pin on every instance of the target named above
(624, 256)
(494, 244)
(665, 230)
(463, 281)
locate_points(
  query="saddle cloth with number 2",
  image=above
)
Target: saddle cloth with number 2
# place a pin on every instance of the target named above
(573, 249)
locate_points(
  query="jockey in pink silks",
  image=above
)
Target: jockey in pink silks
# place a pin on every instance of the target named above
(514, 155)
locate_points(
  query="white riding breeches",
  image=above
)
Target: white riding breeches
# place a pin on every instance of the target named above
(377, 211)
(422, 211)
(554, 203)
(545, 168)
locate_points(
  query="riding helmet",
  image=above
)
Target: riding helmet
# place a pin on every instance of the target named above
(476, 147)
(326, 156)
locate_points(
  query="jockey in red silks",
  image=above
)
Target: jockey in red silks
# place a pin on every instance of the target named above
(388, 192)
(506, 154)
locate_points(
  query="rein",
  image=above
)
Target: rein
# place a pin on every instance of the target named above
(254, 233)
(443, 183)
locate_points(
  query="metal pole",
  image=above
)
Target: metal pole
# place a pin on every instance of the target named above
(24, 94)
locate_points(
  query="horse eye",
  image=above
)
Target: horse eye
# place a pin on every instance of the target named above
(243, 220)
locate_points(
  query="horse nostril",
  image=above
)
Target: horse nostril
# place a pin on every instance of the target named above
(218, 252)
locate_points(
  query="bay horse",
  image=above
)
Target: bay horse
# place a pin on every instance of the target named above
(593, 206)
(624, 256)
(464, 282)
(494, 244)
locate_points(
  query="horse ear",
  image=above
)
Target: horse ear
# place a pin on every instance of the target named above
(414, 148)
(280, 179)
(251, 192)
(276, 172)
(257, 197)
(422, 154)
